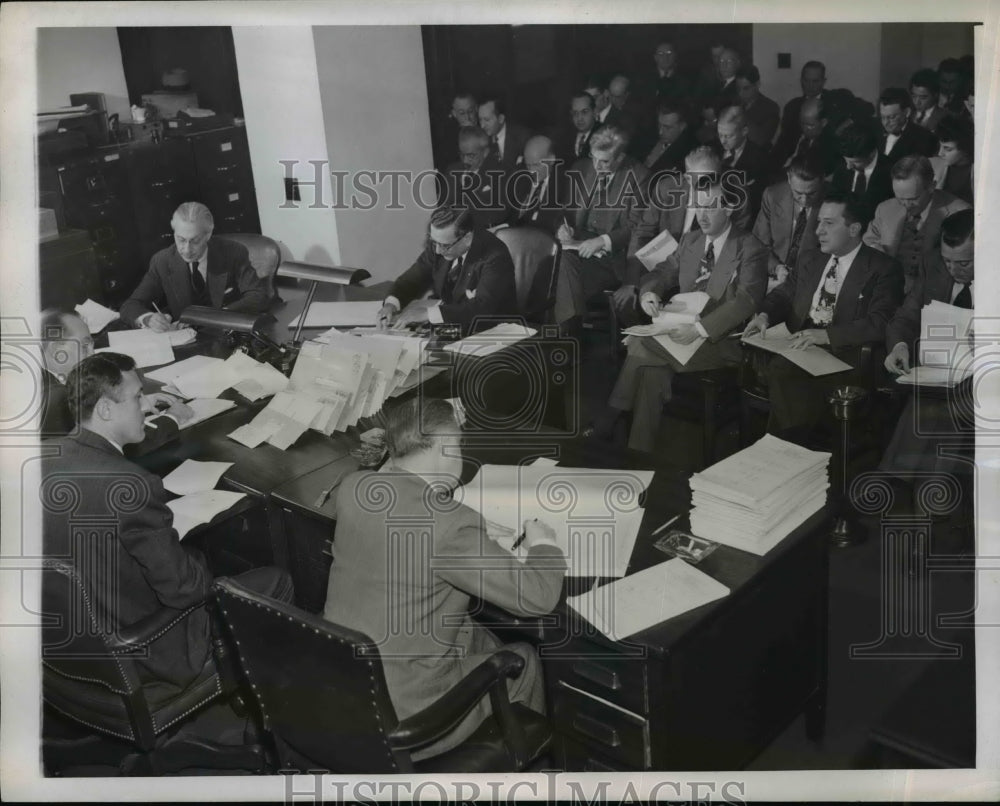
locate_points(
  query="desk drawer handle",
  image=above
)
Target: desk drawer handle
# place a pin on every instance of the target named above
(599, 675)
(596, 729)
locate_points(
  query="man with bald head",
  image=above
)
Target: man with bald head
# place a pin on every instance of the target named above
(814, 141)
(630, 116)
(676, 141)
(812, 79)
(538, 196)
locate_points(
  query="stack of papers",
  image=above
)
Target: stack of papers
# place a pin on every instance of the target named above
(814, 360)
(757, 497)
(204, 377)
(96, 316)
(595, 513)
(945, 352)
(637, 602)
(200, 501)
(490, 341)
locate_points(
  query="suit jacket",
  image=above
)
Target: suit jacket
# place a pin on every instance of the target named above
(776, 222)
(485, 288)
(886, 229)
(762, 121)
(932, 120)
(133, 564)
(548, 214)
(753, 164)
(791, 130)
(482, 192)
(388, 581)
(635, 119)
(868, 298)
(958, 182)
(672, 158)
(626, 197)
(737, 284)
(675, 88)
(913, 140)
(168, 283)
(879, 187)
(565, 145)
(823, 149)
(513, 146)
(934, 283)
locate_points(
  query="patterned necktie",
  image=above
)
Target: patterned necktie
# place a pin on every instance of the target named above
(495, 149)
(860, 183)
(705, 267)
(822, 312)
(963, 299)
(197, 283)
(800, 228)
(579, 143)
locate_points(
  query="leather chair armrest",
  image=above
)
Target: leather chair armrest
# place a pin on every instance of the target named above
(143, 632)
(451, 708)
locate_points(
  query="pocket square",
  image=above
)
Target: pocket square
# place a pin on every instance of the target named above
(470, 293)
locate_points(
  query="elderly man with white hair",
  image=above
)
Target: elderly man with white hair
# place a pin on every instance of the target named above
(197, 270)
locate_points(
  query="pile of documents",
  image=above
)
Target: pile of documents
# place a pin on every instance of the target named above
(199, 501)
(757, 497)
(814, 360)
(202, 376)
(945, 349)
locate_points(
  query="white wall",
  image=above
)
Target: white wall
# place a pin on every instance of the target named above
(374, 96)
(74, 60)
(907, 47)
(284, 120)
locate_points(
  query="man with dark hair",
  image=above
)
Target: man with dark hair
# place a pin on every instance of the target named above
(839, 299)
(477, 181)
(907, 227)
(507, 138)
(469, 270)
(786, 224)
(676, 140)
(576, 142)
(668, 82)
(407, 578)
(953, 85)
(902, 137)
(954, 164)
(762, 114)
(596, 86)
(924, 94)
(864, 170)
(812, 79)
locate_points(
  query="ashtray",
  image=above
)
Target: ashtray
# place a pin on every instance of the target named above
(685, 545)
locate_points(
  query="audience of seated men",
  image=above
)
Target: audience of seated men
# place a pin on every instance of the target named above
(610, 191)
(197, 270)
(507, 138)
(901, 136)
(388, 580)
(864, 171)
(539, 191)
(468, 270)
(840, 299)
(953, 166)
(728, 264)
(477, 182)
(924, 94)
(761, 113)
(908, 226)
(739, 154)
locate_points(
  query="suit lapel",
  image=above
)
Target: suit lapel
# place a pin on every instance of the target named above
(180, 283)
(689, 268)
(217, 276)
(725, 266)
(851, 296)
(811, 272)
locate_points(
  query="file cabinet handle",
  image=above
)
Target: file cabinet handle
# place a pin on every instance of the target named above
(597, 730)
(599, 675)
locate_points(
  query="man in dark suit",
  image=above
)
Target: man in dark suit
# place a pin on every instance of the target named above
(630, 115)
(812, 79)
(539, 190)
(676, 141)
(464, 112)
(924, 92)
(575, 143)
(839, 299)
(762, 114)
(607, 190)
(668, 83)
(507, 138)
(865, 171)
(477, 181)
(133, 565)
(407, 577)
(747, 159)
(902, 137)
(469, 270)
(197, 270)
(815, 139)
(726, 91)
(729, 265)
(786, 224)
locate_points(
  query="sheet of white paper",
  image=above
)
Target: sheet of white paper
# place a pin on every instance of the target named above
(204, 408)
(148, 348)
(208, 380)
(95, 315)
(492, 340)
(253, 435)
(194, 477)
(185, 335)
(814, 360)
(657, 250)
(198, 508)
(944, 377)
(257, 379)
(341, 314)
(168, 374)
(682, 352)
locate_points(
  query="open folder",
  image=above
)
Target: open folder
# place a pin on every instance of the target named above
(814, 360)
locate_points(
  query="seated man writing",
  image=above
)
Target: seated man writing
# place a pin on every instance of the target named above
(468, 270)
(403, 573)
(197, 270)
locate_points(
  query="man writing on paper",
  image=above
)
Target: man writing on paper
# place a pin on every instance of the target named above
(134, 564)
(404, 574)
(721, 260)
(840, 299)
(468, 270)
(197, 270)
(66, 341)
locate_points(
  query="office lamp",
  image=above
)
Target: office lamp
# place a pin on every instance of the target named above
(338, 275)
(254, 326)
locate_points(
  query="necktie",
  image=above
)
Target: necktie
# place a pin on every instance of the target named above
(860, 183)
(705, 267)
(451, 278)
(800, 228)
(963, 299)
(727, 161)
(822, 312)
(533, 199)
(579, 143)
(495, 148)
(197, 283)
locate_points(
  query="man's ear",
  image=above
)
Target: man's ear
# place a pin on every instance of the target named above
(102, 409)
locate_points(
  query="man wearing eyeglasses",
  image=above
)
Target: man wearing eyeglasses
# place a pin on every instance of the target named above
(468, 270)
(476, 181)
(902, 137)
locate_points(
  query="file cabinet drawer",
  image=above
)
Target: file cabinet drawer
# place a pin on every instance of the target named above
(611, 731)
(576, 757)
(620, 680)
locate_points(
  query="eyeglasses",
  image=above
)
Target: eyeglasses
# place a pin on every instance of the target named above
(444, 247)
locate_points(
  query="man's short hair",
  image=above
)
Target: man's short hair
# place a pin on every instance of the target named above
(97, 376)
(596, 82)
(857, 139)
(814, 65)
(671, 108)
(957, 228)
(703, 155)
(54, 323)
(807, 167)
(582, 93)
(412, 425)
(734, 115)
(895, 95)
(499, 105)
(914, 165)
(468, 133)
(949, 65)
(855, 209)
(960, 131)
(609, 137)
(927, 79)
(447, 215)
(194, 213)
(464, 95)
(749, 72)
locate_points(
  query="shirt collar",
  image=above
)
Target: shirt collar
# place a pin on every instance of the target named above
(844, 262)
(719, 241)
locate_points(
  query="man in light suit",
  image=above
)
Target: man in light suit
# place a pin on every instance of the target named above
(606, 191)
(469, 270)
(404, 574)
(908, 226)
(197, 270)
(728, 264)
(786, 224)
(507, 138)
(839, 299)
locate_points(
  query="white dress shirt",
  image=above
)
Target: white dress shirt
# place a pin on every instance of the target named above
(844, 263)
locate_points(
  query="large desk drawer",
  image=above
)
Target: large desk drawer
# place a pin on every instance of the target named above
(612, 731)
(620, 680)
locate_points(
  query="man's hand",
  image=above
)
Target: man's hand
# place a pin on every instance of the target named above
(162, 403)
(807, 338)
(624, 298)
(684, 334)
(159, 322)
(591, 247)
(385, 316)
(650, 304)
(180, 411)
(537, 533)
(898, 361)
(780, 273)
(565, 232)
(757, 325)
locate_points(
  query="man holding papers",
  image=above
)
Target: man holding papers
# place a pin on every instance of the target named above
(469, 270)
(840, 299)
(197, 270)
(407, 559)
(723, 262)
